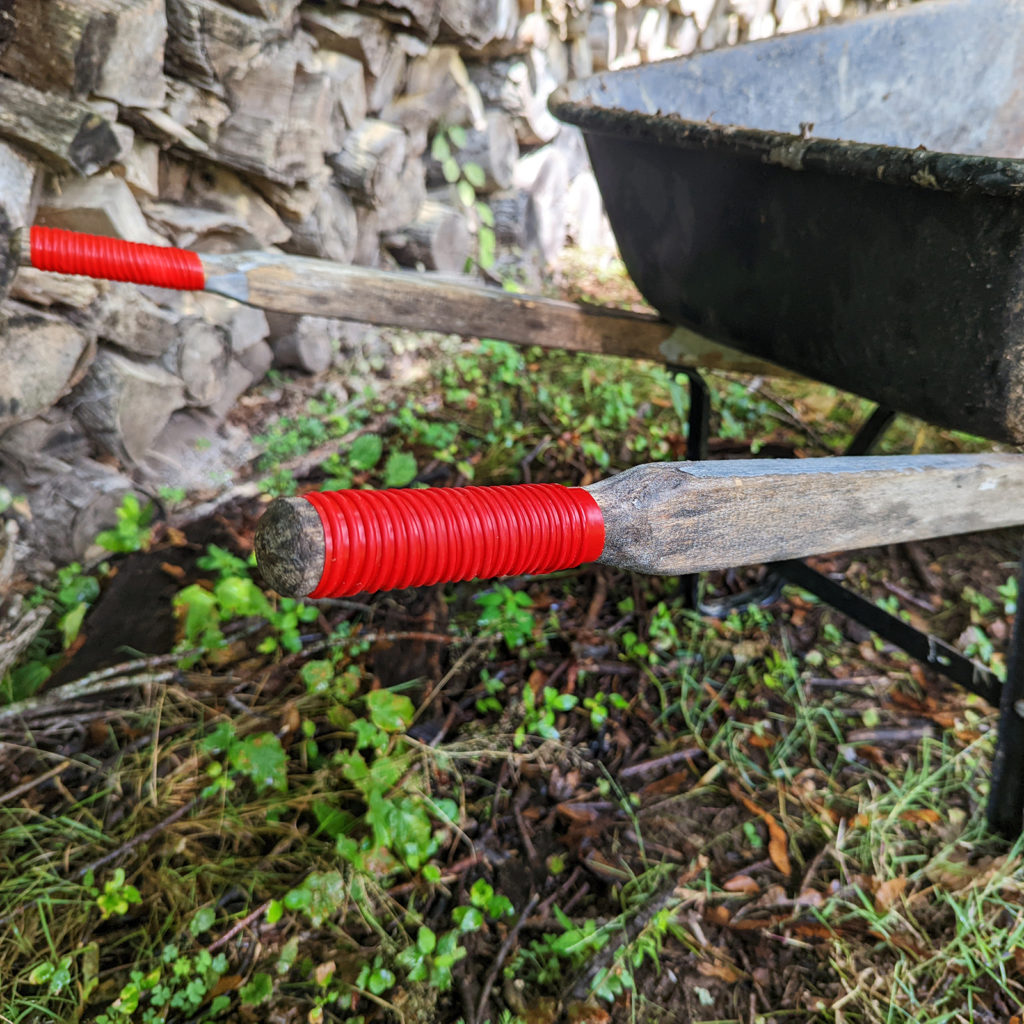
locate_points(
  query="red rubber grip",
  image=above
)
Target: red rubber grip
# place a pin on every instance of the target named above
(388, 540)
(113, 259)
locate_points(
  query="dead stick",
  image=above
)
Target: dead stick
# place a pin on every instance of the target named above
(13, 794)
(142, 837)
(417, 301)
(499, 960)
(87, 687)
(662, 518)
(237, 927)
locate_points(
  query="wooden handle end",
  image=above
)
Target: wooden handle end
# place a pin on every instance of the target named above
(290, 546)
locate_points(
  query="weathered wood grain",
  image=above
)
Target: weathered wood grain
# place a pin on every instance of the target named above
(290, 546)
(438, 238)
(67, 135)
(10, 253)
(370, 161)
(110, 48)
(439, 303)
(686, 517)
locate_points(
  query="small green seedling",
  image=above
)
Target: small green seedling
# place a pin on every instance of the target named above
(132, 532)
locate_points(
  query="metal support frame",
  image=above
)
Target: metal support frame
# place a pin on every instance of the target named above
(698, 429)
(1006, 795)
(1006, 792)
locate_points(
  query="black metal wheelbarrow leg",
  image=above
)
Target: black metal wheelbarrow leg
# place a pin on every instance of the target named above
(1006, 796)
(1006, 793)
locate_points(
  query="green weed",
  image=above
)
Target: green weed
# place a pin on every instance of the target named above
(69, 598)
(132, 532)
(507, 613)
(467, 178)
(540, 712)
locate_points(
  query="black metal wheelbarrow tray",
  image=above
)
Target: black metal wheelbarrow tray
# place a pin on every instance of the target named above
(847, 202)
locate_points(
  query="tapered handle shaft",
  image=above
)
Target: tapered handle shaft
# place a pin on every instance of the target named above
(284, 283)
(662, 518)
(339, 543)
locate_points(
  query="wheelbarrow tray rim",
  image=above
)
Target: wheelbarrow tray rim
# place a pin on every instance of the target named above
(635, 104)
(966, 174)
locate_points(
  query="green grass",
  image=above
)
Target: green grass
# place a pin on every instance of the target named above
(576, 791)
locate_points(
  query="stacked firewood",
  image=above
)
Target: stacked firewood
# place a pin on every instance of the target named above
(312, 127)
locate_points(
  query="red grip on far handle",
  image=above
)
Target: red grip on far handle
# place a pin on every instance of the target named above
(391, 539)
(113, 259)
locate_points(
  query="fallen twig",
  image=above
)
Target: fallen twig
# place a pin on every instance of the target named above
(142, 837)
(13, 794)
(451, 875)
(657, 763)
(632, 928)
(499, 960)
(87, 686)
(905, 734)
(238, 926)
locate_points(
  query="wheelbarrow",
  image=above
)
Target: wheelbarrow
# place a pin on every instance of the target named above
(809, 202)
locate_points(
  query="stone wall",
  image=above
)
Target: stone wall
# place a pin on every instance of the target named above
(305, 126)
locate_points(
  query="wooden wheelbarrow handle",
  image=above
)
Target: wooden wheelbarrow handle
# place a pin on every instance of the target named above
(661, 518)
(417, 301)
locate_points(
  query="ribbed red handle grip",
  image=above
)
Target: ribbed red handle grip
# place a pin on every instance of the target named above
(113, 259)
(391, 539)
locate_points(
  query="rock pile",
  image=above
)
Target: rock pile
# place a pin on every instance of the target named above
(224, 125)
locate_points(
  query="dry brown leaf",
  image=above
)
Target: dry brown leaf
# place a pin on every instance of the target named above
(581, 813)
(718, 915)
(324, 972)
(697, 868)
(291, 720)
(874, 754)
(587, 1013)
(1018, 958)
(542, 1011)
(773, 896)
(603, 867)
(778, 842)
(817, 405)
(904, 943)
(967, 735)
(749, 650)
(953, 871)
(917, 674)
(741, 883)
(888, 892)
(175, 537)
(922, 816)
(762, 923)
(811, 930)
(224, 656)
(810, 898)
(537, 680)
(721, 969)
(668, 786)
(563, 785)
(227, 983)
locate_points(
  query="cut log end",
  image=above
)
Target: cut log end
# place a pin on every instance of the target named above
(9, 255)
(290, 546)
